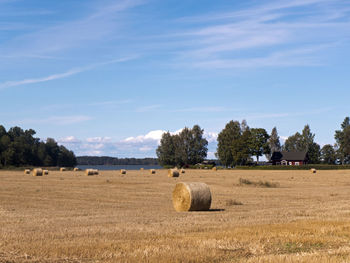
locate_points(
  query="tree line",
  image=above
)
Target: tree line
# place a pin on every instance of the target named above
(238, 144)
(19, 147)
(105, 160)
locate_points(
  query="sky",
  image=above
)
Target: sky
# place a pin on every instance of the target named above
(109, 77)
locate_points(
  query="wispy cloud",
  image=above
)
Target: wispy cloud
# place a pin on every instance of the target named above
(148, 108)
(66, 74)
(56, 120)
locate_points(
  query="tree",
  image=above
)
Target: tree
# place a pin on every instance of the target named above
(342, 138)
(183, 149)
(258, 142)
(328, 154)
(166, 150)
(226, 140)
(304, 142)
(274, 143)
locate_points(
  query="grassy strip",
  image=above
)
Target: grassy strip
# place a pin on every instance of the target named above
(291, 167)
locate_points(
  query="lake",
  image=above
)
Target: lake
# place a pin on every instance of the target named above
(118, 167)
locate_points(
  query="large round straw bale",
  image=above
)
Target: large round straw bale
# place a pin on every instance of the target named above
(191, 197)
(152, 171)
(37, 172)
(122, 171)
(141, 169)
(27, 171)
(95, 171)
(214, 168)
(173, 173)
(63, 169)
(46, 172)
(313, 170)
(76, 169)
(89, 171)
(182, 171)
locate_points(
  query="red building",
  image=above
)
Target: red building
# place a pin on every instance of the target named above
(289, 158)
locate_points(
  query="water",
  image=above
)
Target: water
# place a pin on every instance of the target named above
(118, 167)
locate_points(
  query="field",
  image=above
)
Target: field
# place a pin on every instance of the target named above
(69, 217)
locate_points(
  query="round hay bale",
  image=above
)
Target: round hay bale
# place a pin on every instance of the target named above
(182, 171)
(63, 169)
(313, 170)
(152, 171)
(95, 171)
(191, 197)
(89, 172)
(173, 173)
(214, 168)
(45, 172)
(37, 172)
(141, 169)
(27, 171)
(76, 169)
(122, 171)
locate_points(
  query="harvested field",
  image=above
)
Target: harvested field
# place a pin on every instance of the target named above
(70, 217)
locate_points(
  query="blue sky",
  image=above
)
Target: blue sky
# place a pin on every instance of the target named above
(108, 77)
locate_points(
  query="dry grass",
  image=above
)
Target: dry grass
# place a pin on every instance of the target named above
(260, 183)
(114, 218)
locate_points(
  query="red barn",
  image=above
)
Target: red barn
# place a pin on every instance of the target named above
(289, 158)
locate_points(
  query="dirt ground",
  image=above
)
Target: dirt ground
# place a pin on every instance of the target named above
(70, 217)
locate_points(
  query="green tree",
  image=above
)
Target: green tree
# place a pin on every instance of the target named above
(274, 143)
(304, 142)
(166, 150)
(258, 143)
(227, 139)
(342, 138)
(328, 154)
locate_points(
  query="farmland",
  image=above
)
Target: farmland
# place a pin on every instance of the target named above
(289, 216)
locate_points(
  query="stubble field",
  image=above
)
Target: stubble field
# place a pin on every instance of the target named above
(70, 217)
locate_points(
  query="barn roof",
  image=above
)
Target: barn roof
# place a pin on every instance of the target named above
(289, 156)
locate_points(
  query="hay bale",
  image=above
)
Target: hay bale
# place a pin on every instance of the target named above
(141, 169)
(45, 172)
(152, 171)
(122, 171)
(313, 170)
(95, 171)
(173, 173)
(37, 172)
(27, 171)
(63, 169)
(214, 168)
(191, 197)
(182, 171)
(76, 169)
(89, 172)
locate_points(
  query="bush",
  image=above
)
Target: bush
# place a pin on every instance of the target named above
(292, 167)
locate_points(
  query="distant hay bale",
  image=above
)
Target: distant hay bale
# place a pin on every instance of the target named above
(313, 170)
(76, 169)
(95, 171)
(141, 169)
(173, 173)
(89, 172)
(27, 171)
(191, 197)
(37, 172)
(122, 171)
(63, 169)
(182, 171)
(45, 172)
(152, 171)
(214, 168)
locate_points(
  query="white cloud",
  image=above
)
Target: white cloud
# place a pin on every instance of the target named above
(56, 120)
(138, 146)
(69, 73)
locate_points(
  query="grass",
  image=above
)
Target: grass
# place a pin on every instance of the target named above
(267, 184)
(131, 218)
